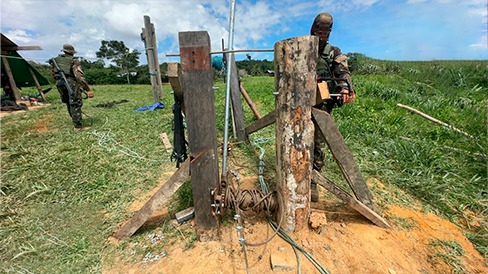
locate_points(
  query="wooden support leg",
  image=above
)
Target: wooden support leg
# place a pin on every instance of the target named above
(350, 200)
(343, 156)
(158, 200)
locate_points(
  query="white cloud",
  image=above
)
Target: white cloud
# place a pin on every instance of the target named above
(259, 23)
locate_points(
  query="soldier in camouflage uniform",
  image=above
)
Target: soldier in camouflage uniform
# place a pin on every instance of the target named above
(330, 64)
(71, 67)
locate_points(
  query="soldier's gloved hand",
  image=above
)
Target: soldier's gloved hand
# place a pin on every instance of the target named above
(90, 94)
(348, 96)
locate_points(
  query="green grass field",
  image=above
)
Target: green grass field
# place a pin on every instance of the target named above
(63, 192)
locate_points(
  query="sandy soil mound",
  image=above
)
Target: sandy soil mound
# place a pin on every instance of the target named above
(345, 242)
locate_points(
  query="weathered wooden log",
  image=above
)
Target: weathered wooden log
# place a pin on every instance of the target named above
(11, 80)
(174, 73)
(295, 72)
(148, 36)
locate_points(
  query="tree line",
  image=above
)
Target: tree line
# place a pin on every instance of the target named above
(117, 64)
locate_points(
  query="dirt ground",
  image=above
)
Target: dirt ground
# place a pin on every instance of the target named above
(346, 242)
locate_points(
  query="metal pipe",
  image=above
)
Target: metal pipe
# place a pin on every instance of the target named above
(226, 51)
(227, 91)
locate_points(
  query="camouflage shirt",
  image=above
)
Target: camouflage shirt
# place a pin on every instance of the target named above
(332, 63)
(72, 68)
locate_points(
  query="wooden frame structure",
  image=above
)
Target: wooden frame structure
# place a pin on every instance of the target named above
(294, 116)
(8, 46)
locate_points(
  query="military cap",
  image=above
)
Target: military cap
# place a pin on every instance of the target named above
(69, 49)
(323, 21)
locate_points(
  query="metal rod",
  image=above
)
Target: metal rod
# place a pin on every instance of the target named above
(227, 91)
(226, 51)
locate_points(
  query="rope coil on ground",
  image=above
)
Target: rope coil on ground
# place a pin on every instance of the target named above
(250, 199)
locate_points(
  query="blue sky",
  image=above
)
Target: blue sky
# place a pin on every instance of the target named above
(392, 30)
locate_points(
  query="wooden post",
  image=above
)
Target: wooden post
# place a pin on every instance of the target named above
(38, 86)
(197, 83)
(11, 80)
(148, 37)
(296, 83)
(235, 96)
(156, 62)
(174, 76)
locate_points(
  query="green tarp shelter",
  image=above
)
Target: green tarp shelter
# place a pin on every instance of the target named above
(16, 71)
(21, 71)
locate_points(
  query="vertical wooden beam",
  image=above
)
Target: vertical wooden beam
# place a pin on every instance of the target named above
(11, 79)
(156, 61)
(174, 76)
(197, 83)
(235, 96)
(149, 47)
(296, 83)
(39, 88)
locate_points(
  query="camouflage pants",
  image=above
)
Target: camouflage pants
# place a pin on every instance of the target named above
(318, 151)
(319, 140)
(73, 101)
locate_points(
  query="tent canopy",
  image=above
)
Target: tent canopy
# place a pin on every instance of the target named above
(21, 69)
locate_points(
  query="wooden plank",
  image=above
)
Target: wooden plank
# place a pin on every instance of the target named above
(267, 120)
(235, 97)
(11, 79)
(174, 73)
(166, 142)
(197, 84)
(250, 102)
(343, 156)
(17, 48)
(36, 82)
(350, 200)
(158, 200)
(295, 61)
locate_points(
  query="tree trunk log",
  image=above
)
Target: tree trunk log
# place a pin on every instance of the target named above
(295, 70)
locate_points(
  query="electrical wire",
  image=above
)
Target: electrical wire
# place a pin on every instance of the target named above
(266, 201)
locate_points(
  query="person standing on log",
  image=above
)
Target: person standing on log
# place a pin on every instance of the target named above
(331, 63)
(71, 85)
